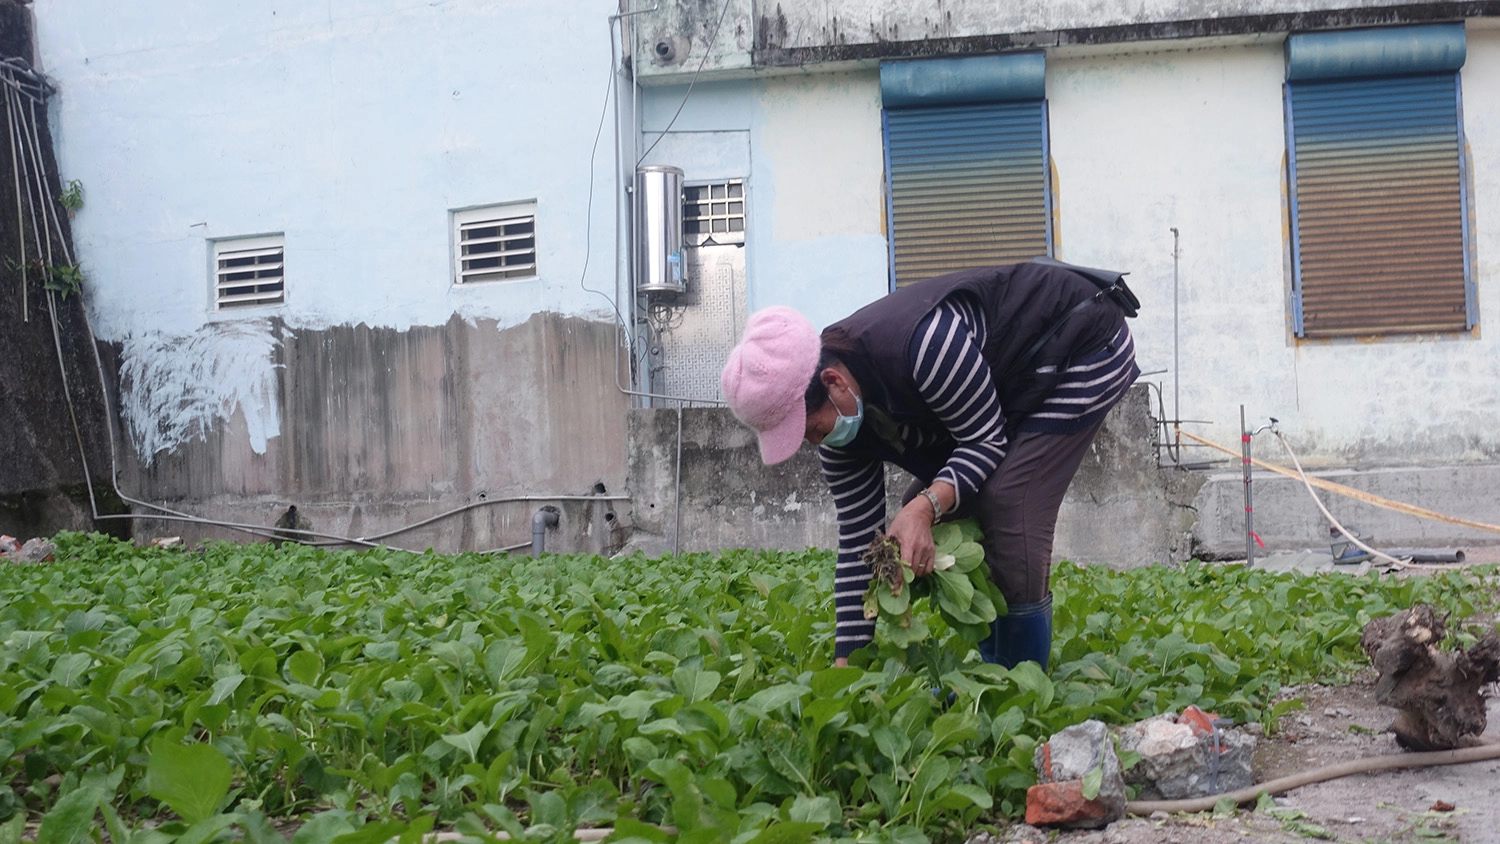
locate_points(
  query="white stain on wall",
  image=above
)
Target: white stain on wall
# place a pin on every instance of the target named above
(174, 388)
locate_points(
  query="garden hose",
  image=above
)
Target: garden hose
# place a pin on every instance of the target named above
(1489, 749)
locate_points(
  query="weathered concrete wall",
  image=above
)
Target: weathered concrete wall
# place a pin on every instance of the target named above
(44, 480)
(380, 392)
(740, 36)
(377, 428)
(1286, 518)
(1122, 509)
(727, 498)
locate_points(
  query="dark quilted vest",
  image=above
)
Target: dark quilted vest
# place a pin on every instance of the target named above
(1019, 303)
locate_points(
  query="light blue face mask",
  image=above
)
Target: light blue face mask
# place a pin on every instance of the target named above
(845, 428)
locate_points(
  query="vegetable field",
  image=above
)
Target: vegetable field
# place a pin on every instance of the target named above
(156, 695)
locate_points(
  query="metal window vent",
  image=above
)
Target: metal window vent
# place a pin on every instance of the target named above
(249, 272)
(497, 243)
(714, 213)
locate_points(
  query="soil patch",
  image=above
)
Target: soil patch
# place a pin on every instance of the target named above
(1338, 723)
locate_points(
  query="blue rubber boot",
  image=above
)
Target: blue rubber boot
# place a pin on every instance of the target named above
(1025, 633)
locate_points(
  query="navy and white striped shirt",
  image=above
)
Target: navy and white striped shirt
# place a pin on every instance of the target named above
(958, 386)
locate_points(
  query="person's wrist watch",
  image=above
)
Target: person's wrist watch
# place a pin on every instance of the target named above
(937, 506)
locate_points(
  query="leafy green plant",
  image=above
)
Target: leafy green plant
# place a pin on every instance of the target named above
(72, 197)
(65, 279)
(959, 588)
(381, 694)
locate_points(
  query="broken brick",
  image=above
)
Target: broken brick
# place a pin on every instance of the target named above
(1063, 804)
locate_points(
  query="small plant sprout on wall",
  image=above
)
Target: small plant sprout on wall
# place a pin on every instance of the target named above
(72, 197)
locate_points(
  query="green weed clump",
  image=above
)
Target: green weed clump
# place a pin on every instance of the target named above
(194, 696)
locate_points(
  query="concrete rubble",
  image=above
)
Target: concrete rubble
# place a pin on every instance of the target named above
(1062, 763)
(37, 550)
(1188, 755)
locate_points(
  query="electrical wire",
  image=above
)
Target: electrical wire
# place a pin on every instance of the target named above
(712, 39)
(588, 213)
(15, 169)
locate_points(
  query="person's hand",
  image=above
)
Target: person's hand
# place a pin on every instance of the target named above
(912, 527)
(841, 662)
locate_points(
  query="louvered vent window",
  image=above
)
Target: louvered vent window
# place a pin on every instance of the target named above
(1378, 205)
(966, 163)
(714, 213)
(249, 271)
(497, 243)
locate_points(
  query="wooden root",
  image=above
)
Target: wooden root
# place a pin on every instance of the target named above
(1436, 693)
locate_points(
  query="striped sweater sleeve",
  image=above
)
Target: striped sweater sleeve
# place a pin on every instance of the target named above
(858, 488)
(957, 384)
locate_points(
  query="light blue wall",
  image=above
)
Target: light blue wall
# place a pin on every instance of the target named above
(810, 150)
(353, 127)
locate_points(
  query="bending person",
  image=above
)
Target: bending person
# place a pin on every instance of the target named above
(987, 385)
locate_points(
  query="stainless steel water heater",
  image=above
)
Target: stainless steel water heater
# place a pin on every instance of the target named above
(659, 270)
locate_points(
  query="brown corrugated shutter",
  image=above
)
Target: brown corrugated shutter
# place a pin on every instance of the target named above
(1378, 206)
(968, 187)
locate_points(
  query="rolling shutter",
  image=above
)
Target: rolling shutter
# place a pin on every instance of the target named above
(1378, 204)
(966, 163)
(968, 187)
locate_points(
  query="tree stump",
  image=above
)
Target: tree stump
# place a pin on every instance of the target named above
(1435, 692)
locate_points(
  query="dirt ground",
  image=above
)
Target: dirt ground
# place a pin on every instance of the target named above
(1338, 723)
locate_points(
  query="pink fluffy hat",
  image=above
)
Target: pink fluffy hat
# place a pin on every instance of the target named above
(767, 376)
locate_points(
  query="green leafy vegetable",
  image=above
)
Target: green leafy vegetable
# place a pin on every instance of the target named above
(196, 695)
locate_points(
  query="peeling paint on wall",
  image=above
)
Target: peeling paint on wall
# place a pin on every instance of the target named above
(174, 389)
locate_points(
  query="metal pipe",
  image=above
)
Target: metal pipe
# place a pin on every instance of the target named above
(677, 490)
(254, 530)
(1426, 556)
(1249, 508)
(1176, 353)
(544, 518)
(485, 502)
(625, 230)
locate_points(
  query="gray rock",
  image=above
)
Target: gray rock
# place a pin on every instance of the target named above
(1177, 763)
(1075, 751)
(35, 550)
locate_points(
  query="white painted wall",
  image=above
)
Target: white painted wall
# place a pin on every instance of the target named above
(1195, 139)
(353, 126)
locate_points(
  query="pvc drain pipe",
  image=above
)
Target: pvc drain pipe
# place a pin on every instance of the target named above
(544, 518)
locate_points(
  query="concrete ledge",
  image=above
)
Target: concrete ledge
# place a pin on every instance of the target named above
(1286, 518)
